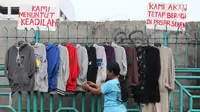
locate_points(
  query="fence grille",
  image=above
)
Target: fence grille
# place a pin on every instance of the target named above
(185, 47)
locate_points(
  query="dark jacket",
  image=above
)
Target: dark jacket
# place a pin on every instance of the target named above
(132, 66)
(92, 64)
(149, 72)
(110, 53)
(152, 75)
(20, 71)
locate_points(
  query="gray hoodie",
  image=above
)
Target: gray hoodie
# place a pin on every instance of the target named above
(101, 63)
(41, 76)
(63, 73)
(83, 64)
(20, 71)
(120, 57)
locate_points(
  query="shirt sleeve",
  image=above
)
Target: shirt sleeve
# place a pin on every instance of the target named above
(172, 75)
(124, 62)
(6, 65)
(104, 68)
(32, 62)
(106, 88)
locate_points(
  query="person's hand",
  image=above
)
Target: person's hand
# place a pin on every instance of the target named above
(85, 86)
(90, 83)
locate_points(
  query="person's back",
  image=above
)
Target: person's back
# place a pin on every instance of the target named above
(111, 89)
(112, 96)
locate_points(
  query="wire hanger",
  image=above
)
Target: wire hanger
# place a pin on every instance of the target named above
(33, 42)
(64, 43)
(58, 37)
(45, 43)
(22, 41)
(56, 43)
(157, 44)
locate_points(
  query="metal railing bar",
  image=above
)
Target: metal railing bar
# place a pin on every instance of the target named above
(187, 77)
(191, 87)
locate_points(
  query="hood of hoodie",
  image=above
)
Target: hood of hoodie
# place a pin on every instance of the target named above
(20, 45)
(48, 46)
(78, 46)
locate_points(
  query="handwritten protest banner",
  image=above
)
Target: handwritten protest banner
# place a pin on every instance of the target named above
(33, 16)
(162, 14)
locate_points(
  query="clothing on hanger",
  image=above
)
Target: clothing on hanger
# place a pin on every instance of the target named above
(92, 64)
(20, 67)
(110, 53)
(83, 64)
(74, 68)
(41, 75)
(101, 64)
(120, 58)
(132, 65)
(63, 73)
(149, 71)
(166, 79)
(53, 55)
(152, 75)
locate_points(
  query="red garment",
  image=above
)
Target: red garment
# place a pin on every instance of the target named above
(74, 68)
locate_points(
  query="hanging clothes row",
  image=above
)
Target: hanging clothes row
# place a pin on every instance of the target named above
(146, 71)
(55, 67)
(156, 78)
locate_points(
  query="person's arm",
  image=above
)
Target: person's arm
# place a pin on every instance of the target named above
(95, 89)
(92, 84)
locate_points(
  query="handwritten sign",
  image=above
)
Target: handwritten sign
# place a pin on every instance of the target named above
(33, 16)
(165, 14)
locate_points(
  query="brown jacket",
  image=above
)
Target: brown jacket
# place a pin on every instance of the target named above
(132, 70)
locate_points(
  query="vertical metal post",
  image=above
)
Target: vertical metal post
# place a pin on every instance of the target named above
(35, 94)
(172, 102)
(51, 102)
(19, 101)
(191, 104)
(29, 101)
(99, 101)
(41, 102)
(172, 95)
(35, 97)
(74, 101)
(93, 102)
(165, 38)
(83, 102)
(60, 101)
(37, 34)
(181, 99)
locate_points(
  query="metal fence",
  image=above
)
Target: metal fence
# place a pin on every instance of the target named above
(188, 42)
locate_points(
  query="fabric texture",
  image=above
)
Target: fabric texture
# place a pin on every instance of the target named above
(101, 64)
(138, 91)
(83, 64)
(166, 80)
(151, 88)
(150, 107)
(63, 73)
(120, 58)
(132, 65)
(41, 75)
(53, 57)
(92, 64)
(149, 72)
(131, 80)
(20, 67)
(112, 96)
(74, 68)
(110, 53)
